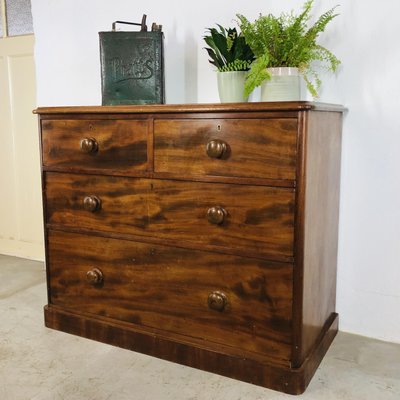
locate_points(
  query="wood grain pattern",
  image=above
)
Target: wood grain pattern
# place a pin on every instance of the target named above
(167, 288)
(191, 178)
(320, 207)
(193, 108)
(259, 219)
(267, 374)
(154, 256)
(122, 144)
(256, 148)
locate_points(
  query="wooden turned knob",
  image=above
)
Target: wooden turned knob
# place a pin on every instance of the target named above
(94, 277)
(91, 203)
(217, 301)
(89, 145)
(216, 148)
(216, 215)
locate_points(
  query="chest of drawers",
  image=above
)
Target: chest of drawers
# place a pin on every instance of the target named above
(201, 234)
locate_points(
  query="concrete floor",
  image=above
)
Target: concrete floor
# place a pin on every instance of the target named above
(39, 363)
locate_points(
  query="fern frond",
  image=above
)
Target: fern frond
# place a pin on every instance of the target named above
(313, 82)
(257, 75)
(327, 58)
(237, 65)
(288, 41)
(321, 24)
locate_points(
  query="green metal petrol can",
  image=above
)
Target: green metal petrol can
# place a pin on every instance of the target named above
(132, 65)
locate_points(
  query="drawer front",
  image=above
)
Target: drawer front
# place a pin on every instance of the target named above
(250, 220)
(175, 290)
(106, 145)
(256, 148)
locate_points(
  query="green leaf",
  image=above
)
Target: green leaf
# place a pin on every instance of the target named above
(227, 49)
(214, 59)
(257, 75)
(288, 40)
(220, 42)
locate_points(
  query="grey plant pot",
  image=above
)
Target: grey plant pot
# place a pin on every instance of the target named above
(284, 85)
(231, 86)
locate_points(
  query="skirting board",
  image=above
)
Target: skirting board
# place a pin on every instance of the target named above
(18, 248)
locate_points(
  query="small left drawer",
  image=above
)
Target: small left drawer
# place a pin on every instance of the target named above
(118, 146)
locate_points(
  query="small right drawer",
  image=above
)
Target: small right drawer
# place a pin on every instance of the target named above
(252, 148)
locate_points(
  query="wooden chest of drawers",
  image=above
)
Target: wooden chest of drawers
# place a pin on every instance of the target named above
(202, 234)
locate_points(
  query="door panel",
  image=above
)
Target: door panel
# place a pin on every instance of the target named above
(21, 230)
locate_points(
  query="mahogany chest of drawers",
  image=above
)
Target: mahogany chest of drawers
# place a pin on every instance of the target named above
(201, 234)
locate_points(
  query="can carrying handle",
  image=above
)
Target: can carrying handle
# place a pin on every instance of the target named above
(143, 26)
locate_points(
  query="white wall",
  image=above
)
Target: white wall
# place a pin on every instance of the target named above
(364, 37)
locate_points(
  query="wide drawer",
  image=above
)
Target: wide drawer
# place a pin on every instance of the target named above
(104, 145)
(256, 148)
(250, 220)
(175, 290)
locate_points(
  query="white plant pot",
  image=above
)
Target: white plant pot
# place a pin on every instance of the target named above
(231, 86)
(284, 85)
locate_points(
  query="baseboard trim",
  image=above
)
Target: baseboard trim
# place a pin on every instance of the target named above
(18, 248)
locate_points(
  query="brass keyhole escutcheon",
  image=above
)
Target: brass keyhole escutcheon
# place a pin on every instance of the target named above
(89, 145)
(217, 301)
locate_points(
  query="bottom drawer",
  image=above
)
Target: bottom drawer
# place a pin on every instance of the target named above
(228, 300)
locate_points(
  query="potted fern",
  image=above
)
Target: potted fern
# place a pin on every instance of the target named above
(232, 56)
(286, 48)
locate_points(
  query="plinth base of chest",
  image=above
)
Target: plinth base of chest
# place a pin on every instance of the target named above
(127, 336)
